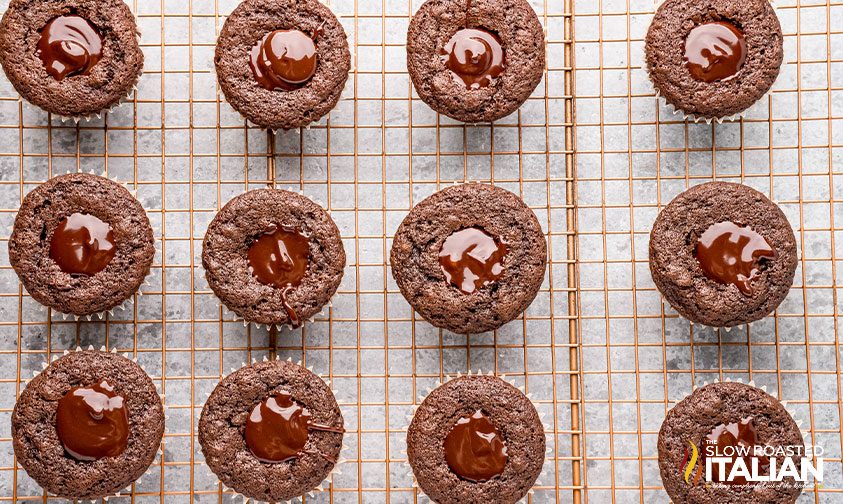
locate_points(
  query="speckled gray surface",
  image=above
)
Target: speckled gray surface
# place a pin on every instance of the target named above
(643, 163)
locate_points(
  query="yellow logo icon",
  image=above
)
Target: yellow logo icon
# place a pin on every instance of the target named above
(689, 463)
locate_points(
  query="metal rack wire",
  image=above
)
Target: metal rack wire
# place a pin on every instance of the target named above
(601, 354)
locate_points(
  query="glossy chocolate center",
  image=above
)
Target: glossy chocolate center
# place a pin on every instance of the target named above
(280, 257)
(82, 245)
(715, 51)
(471, 259)
(69, 45)
(739, 434)
(278, 429)
(475, 57)
(474, 449)
(731, 254)
(92, 422)
(284, 59)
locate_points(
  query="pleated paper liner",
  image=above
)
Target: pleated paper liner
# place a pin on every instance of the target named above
(131, 299)
(159, 453)
(352, 48)
(686, 116)
(237, 318)
(328, 480)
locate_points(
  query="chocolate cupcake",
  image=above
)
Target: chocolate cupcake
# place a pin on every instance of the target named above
(88, 426)
(713, 59)
(469, 258)
(81, 244)
(719, 420)
(722, 254)
(73, 58)
(271, 431)
(475, 60)
(273, 257)
(282, 64)
(476, 439)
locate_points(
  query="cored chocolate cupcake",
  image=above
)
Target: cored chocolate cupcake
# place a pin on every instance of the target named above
(88, 426)
(720, 420)
(713, 59)
(722, 254)
(282, 63)
(271, 431)
(273, 257)
(81, 244)
(475, 60)
(469, 258)
(476, 439)
(74, 58)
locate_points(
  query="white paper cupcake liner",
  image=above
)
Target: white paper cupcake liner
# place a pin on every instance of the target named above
(131, 299)
(687, 116)
(326, 482)
(246, 323)
(428, 391)
(352, 49)
(159, 454)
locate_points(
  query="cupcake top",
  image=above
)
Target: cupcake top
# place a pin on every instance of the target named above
(81, 244)
(476, 439)
(475, 60)
(282, 63)
(722, 254)
(271, 431)
(273, 257)
(713, 59)
(74, 58)
(88, 426)
(714, 421)
(469, 258)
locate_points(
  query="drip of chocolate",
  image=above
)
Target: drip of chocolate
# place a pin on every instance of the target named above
(69, 45)
(472, 259)
(279, 258)
(82, 245)
(739, 434)
(475, 449)
(92, 422)
(475, 57)
(278, 428)
(730, 254)
(284, 59)
(715, 51)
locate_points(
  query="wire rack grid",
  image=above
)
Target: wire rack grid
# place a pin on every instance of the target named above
(381, 151)
(601, 354)
(632, 157)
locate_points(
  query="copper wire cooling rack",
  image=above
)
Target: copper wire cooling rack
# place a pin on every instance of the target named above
(592, 152)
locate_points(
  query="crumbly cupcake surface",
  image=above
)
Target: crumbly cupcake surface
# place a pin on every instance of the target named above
(225, 437)
(304, 103)
(109, 42)
(81, 214)
(716, 412)
(476, 409)
(483, 230)
(263, 214)
(677, 24)
(508, 41)
(39, 449)
(729, 213)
